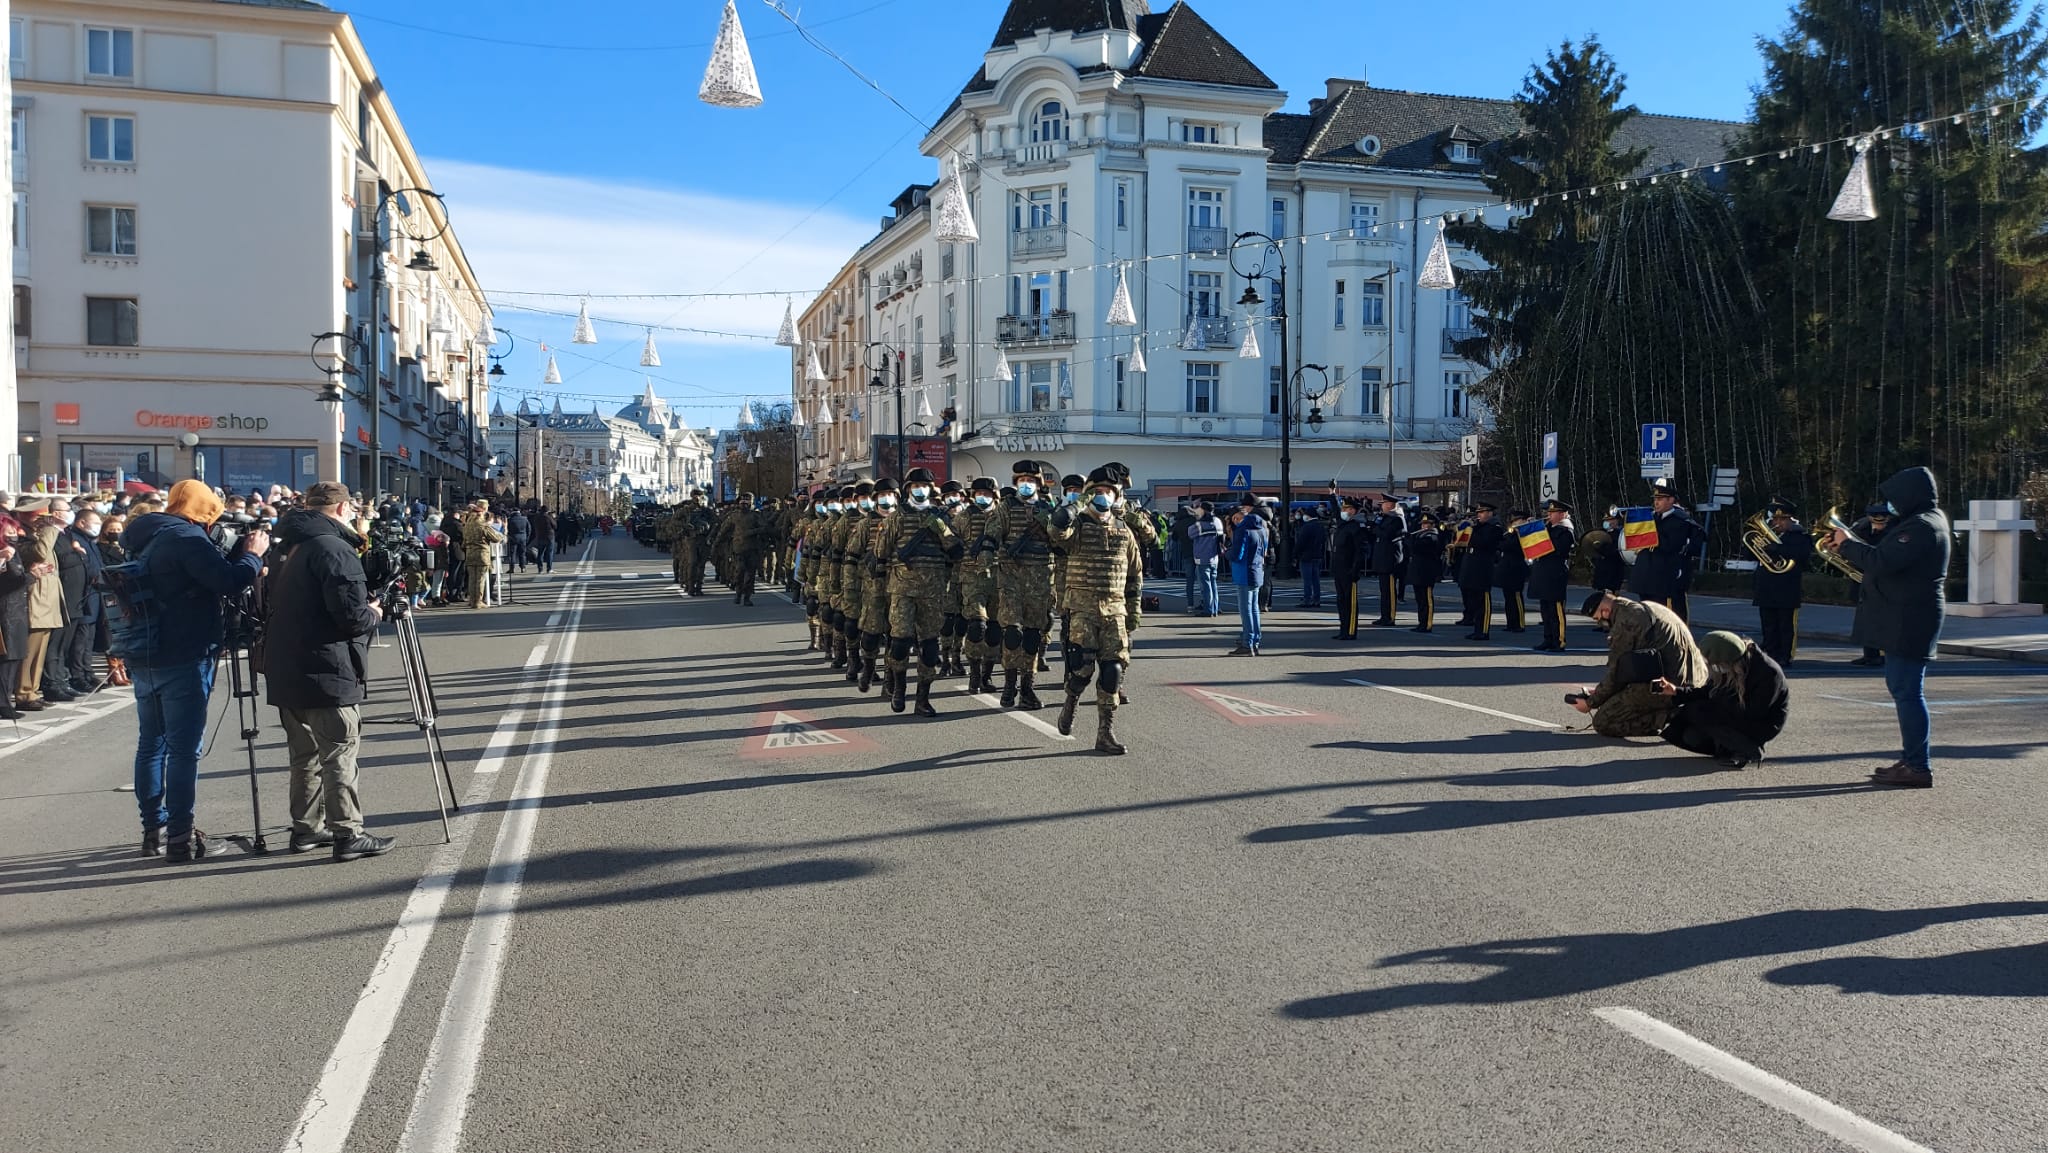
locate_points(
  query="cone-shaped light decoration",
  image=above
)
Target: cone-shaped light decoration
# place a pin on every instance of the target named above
(1003, 365)
(1137, 355)
(1121, 314)
(924, 404)
(1066, 381)
(746, 419)
(1856, 204)
(813, 373)
(824, 412)
(1191, 340)
(854, 413)
(729, 80)
(650, 357)
(1249, 350)
(553, 375)
(786, 335)
(955, 222)
(796, 415)
(1436, 270)
(585, 333)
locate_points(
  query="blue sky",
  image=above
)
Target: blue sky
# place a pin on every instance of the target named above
(579, 159)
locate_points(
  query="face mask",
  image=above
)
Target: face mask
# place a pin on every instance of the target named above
(1072, 495)
(1026, 490)
(886, 503)
(1346, 514)
(920, 494)
(918, 502)
(1101, 500)
(954, 502)
(983, 501)
(65, 517)
(867, 505)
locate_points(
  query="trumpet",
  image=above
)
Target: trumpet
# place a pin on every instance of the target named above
(1824, 546)
(1759, 537)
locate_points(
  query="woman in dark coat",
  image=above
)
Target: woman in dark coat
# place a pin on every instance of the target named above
(14, 582)
(111, 553)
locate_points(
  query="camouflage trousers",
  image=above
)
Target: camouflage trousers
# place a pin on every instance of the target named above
(917, 614)
(982, 637)
(1097, 649)
(1636, 711)
(1024, 609)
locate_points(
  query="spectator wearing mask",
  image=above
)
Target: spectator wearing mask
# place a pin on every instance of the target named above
(111, 553)
(317, 668)
(1250, 546)
(46, 612)
(1205, 542)
(1907, 604)
(1740, 709)
(174, 677)
(78, 572)
(1311, 544)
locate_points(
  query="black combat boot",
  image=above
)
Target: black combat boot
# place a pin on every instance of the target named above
(974, 682)
(1105, 734)
(924, 698)
(837, 649)
(1067, 708)
(1009, 697)
(1027, 692)
(899, 684)
(853, 663)
(867, 671)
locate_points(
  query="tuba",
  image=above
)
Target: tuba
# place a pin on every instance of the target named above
(1758, 536)
(1823, 545)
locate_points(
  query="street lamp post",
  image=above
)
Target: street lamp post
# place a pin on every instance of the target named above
(876, 383)
(338, 366)
(420, 262)
(1268, 254)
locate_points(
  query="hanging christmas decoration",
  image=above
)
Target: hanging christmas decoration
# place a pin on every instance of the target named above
(746, 419)
(1003, 365)
(786, 335)
(553, 375)
(824, 412)
(1856, 204)
(1436, 270)
(813, 373)
(585, 332)
(1137, 355)
(1121, 314)
(650, 357)
(854, 414)
(924, 404)
(1191, 340)
(729, 80)
(1066, 381)
(796, 414)
(955, 221)
(1249, 350)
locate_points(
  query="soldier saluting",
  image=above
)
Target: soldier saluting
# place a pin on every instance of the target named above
(1104, 589)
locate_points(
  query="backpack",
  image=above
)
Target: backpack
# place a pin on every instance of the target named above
(134, 613)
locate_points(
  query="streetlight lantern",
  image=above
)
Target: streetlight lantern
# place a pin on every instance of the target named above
(332, 397)
(1270, 264)
(421, 262)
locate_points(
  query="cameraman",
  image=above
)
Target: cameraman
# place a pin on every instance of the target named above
(173, 679)
(320, 621)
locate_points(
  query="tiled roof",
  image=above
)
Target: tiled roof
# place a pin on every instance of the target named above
(295, 5)
(1025, 17)
(1180, 45)
(1413, 127)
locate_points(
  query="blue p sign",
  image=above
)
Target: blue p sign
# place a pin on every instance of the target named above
(1549, 450)
(1660, 440)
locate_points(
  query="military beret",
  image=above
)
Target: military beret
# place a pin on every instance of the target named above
(1593, 603)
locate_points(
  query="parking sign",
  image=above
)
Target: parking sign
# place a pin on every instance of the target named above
(1660, 451)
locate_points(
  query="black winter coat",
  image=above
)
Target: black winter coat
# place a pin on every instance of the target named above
(320, 620)
(190, 577)
(1759, 713)
(78, 568)
(1388, 544)
(1905, 602)
(1511, 571)
(1311, 541)
(1610, 571)
(1783, 590)
(14, 582)
(1349, 550)
(1475, 572)
(1550, 576)
(1425, 558)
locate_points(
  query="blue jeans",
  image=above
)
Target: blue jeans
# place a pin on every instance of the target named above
(1312, 583)
(1248, 616)
(1203, 578)
(1906, 679)
(170, 710)
(546, 561)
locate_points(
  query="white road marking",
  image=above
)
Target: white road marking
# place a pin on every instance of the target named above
(1933, 703)
(540, 650)
(1817, 1112)
(37, 734)
(990, 700)
(1458, 705)
(788, 732)
(441, 1101)
(330, 1110)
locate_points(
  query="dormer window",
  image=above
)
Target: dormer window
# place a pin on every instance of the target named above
(1464, 152)
(1050, 123)
(1197, 132)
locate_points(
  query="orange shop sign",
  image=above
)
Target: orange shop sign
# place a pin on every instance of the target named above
(65, 413)
(201, 422)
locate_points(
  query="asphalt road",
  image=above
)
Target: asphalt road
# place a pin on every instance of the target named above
(708, 897)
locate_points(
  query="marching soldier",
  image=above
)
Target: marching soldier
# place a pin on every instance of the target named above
(1425, 552)
(1070, 497)
(1389, 555)
(982, 638)
(1104, 591)
(917, 546)
(1511, 573)
(690, 543)
(1550, 575)
(742, 537)
(874, 592)
(1475, 573)
(853, 577)
(1777, 596)
(810, 538)
(1350, 552)
(1019, 540)
(953, 633)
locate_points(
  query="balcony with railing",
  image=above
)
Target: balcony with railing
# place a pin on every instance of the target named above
(1046, 240)
(949, 348)
(1213, 331)
(1052, 328)
(1453, 337)
(1208, 238)
(1037, 153)
(917, 365)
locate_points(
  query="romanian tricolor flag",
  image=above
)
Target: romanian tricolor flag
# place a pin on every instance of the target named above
(1639, 528)
(1464, 537)
(1536, 542)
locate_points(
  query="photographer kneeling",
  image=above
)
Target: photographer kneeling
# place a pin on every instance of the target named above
(1646, 644)
(173, 669)
(320, 622)
(1739, 710)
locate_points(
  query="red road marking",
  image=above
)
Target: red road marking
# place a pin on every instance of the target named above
(1239, 709)
(787, 733)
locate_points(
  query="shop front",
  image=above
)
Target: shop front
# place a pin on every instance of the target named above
(234, 437)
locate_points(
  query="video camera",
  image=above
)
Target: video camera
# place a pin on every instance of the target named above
(394, 556)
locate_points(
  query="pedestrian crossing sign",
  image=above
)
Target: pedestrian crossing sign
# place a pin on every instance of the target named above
(1240, 478)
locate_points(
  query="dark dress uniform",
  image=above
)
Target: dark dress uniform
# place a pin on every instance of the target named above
(1777, 596)
(1425, 555)
(1610, 571)
(1349, 551)
(1549, 578)
(1475, 575)
(1511, 576)
(1389, 550)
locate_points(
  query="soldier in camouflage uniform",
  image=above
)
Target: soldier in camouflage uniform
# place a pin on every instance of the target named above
(874, 592)
(743, 538)
(1070, 496)
(981, 639)
(775, 562)
(918, 545)
(1105, 584)
(952, 501)
(808, 534)
(665, 527)
(852, 577)
(1645, 641)
(1019, 540)
(692, 542)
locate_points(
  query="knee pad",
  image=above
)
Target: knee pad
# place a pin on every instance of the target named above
(1013, 637)
(928, 653)
(975, 630)
(953, 626)
(871, 643)
(1112, 675)
(1034, 641)
(899, 648)
(1077, 683)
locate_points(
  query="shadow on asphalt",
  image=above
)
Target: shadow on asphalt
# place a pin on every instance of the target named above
(2011, 971)
(1542, 968)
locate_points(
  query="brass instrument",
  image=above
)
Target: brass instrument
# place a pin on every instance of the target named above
(1758, 537)
(1824, 548)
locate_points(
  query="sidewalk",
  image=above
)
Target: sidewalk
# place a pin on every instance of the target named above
(1996, 638)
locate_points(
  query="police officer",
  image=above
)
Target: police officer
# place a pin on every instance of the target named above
(1550, 576)
(1425, 553)
(1105, 587)
(1511, 573)
(1389, 557)
(1475, 573)
(1019, 541)
(1350, 550)
(1777, 596)
(917, 545)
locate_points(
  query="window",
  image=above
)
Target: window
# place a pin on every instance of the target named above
(951, 317)
(1365, 218)
(1275, 386)
(21, 222)
(17, 44)
(917, 349)
(1119, 369)
(1039, 294)
(1458, 312)
(1123, 204)
(1205, 294)
(1198, 132)
(1371, 394)
(1203, 379)
(1205, 208)
(1372, 304)
(1031, 387)
(23, 314)
(1454, 393)
(1340, 304)
(18, 142)
(1464, 152)
(1278, 225)
(109, 231)
(1049, 124)
(110, 322)
(110, 139)
(110, 53)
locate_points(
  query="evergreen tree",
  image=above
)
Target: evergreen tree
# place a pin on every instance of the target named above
(1917, 338)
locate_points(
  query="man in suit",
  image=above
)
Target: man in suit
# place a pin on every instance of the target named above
(1777, 596)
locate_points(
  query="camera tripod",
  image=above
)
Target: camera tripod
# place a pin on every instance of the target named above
(242, 682)
(426, 709)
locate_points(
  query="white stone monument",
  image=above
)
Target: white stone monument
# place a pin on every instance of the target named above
(1994, 527)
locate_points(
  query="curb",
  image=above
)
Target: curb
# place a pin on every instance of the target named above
(1976, 649)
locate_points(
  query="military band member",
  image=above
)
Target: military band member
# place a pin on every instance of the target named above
(1550, 576)
(1104, 590)
(1777, 596)
(1659, 570)
(1511, 574)
(1350, 553)
(1475, 574)
(1389, 557)
(1018, 541)
(1603, 549)
(1425, 553)
(916, 545)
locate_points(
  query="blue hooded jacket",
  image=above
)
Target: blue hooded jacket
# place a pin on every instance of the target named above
(191, 577)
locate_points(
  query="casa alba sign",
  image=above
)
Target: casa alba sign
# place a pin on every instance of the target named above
(201, 422)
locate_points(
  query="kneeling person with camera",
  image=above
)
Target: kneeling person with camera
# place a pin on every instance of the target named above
(320, 622)
(1647, 646)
